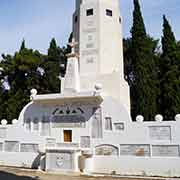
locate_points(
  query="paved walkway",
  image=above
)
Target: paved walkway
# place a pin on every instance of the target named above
(8, 173)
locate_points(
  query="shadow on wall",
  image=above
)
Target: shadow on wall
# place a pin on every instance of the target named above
(9, 176)
(40, 160)
(36, 162)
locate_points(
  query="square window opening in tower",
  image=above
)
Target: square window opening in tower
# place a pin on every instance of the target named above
(89, 12)
(109, 12)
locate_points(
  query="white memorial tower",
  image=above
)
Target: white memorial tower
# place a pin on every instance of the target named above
(97, 28)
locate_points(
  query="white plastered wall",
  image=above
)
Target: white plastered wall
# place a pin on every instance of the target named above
(103, 62)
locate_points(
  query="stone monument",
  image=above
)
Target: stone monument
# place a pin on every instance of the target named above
(72, 80)
(97, 26)
(87, 127)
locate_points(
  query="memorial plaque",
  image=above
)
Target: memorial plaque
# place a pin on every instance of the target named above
(134, 150)
(69, 121)
(106, 150)
(11, 146)
(89, 45)
(3, 132)
(160, 132)
(90, 37)
(90, 23)
(50, 142)
(85, 141)
(33, 148)
(90, 52)
(59, 160)
(165, 150)
(1, 146)
(90, 60)
(90, 30)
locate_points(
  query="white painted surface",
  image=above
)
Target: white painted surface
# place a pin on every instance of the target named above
(135, 135)
(100, 48)
(72, 81)
(137, 166)
(122, 146)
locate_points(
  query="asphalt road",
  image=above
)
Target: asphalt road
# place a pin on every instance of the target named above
(8, 173)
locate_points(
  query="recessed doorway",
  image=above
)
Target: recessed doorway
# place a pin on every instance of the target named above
(67, 135)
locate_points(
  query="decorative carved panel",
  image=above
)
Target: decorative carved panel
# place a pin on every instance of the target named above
(85, 141)
(60, 160)
(165, 150)
(160, 132)
(75, 121)
(11, 146)
(134, 150)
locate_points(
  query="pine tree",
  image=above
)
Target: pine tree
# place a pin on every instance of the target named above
(20, 71)
(28, 69)
(144, 83)
(169, 73)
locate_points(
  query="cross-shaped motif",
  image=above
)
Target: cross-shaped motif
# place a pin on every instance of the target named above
(73, 44)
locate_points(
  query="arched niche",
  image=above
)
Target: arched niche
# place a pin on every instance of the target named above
(106, 150)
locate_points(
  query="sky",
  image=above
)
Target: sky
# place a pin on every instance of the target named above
(38, 21)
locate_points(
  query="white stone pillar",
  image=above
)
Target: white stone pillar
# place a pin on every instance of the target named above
(88, 165)
(76, 161)
(72, 82)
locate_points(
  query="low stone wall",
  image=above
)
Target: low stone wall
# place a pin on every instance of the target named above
(145, 166)
(26, 160)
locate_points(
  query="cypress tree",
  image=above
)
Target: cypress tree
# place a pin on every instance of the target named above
(169, 73)
(168, 39)
(23, 45)
(144, 84)
(54, 62)
(127, 60)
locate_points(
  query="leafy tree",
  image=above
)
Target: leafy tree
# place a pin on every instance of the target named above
(25, 70)
(22, 76)
(144, 84)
